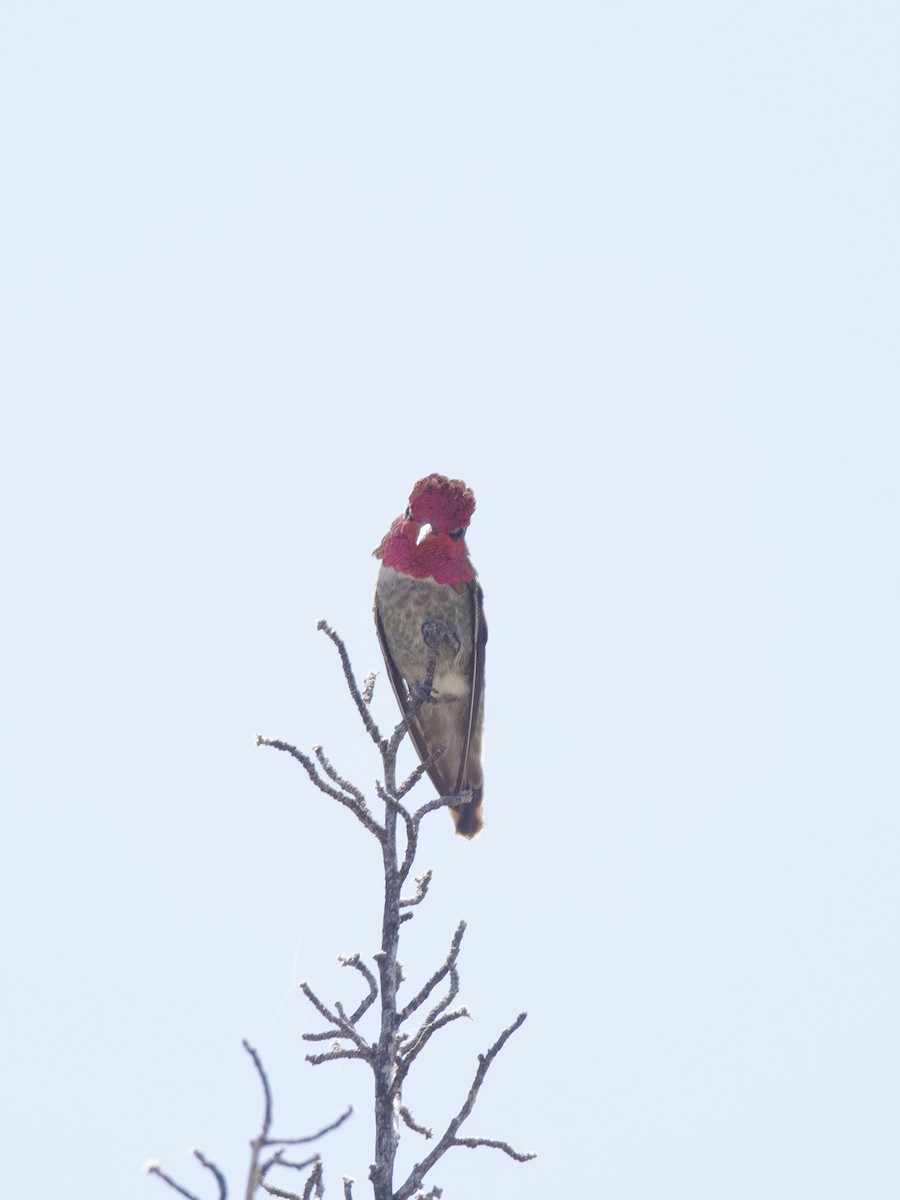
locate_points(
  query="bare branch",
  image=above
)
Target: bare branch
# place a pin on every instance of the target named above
(332, 774)
(418, 1043)
(354, 960)
(446, 967)
(493, 1144)
(359, 810)
(211, 1166)
(313, 1137)
(463, 797)
(275, 1161)
(342, 1026)
(416, 774)
(359, 699)
(422, 882)
(314, 1181)
(412, 838)
(409, 1121)
(278, 1160)
(348, 1188)
(254, 1175)
(156, 1169)
(420, 1170)
(334, 1055)
(275, 1191)
(267, 1092)
(318, 1005)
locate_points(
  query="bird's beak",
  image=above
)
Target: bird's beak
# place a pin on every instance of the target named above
(424, 531)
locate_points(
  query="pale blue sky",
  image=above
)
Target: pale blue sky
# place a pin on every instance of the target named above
(631, 271)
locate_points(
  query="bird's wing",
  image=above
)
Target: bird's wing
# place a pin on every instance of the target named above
(401, 691)
(476, 676)
(447, 784)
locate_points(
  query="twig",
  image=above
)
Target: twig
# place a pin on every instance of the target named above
(275, 1191)
(417, 772)
(278, 1160)
(342, 1026)
(418, 1043)
(156, 1169)
(422, 881)
(420, 1170)
(254, 1174)
(358, 699)
(441, 973)
(359, 810)
(493, 1144)
(313, 1137)
(335, 778)
(314, 1181)
(442, 802)
(334, 1055)
(411, 1123)
(354, 960)
(211, 1166)
(412, 838)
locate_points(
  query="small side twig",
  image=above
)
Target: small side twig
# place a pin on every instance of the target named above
(314, 1137)
(211, 1166)
(358, 809)
(354, 960)
(412, 1124)
(332, 774)
(442, 802)
(494, 1144)
(282, 1193)
(155, 1169)
(314, 1182)
(256, 1146)
(342, 1026)
(449, 1139)
(417, 772)
(360, 699)
(422, 881)
(316, 1060)
(417, 1044)
(443, 970)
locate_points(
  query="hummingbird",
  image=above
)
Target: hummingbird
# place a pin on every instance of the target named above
(427, 592)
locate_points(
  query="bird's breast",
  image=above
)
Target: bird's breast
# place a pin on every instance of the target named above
(404, 605)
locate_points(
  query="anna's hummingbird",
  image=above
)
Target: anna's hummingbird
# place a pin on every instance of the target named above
(427, 588)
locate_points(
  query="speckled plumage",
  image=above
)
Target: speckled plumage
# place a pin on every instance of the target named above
(428, 576)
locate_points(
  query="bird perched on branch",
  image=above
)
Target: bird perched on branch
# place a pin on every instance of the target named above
(427, 594)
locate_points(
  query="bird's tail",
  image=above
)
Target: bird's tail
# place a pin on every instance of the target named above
(467, 817)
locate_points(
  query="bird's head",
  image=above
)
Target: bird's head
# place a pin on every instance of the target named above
(429, 539)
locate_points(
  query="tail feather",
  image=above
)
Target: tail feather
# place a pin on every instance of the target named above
(467, 817)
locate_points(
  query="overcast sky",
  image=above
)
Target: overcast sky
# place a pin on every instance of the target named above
(630, 270)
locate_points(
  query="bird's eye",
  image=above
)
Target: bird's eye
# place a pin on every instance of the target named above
(408, 515)
(456, 534)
